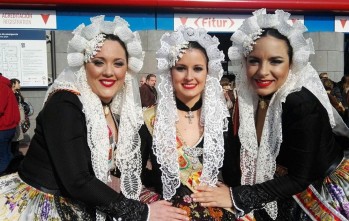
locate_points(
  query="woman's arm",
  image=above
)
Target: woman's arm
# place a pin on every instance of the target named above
(66, 137)
(302, 153)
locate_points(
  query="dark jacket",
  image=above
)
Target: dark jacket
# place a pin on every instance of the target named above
(148, 95)
(308, 150)
(59, 159)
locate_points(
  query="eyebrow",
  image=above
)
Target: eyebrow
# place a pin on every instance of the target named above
(274, 57)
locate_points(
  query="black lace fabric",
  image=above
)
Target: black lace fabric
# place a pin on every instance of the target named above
(125, 210)
(248, 198)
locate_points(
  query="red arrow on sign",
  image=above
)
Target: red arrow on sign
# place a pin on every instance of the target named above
(343, 22)
(45, 17)
(183, 20)
(231, 22)
(196, 22)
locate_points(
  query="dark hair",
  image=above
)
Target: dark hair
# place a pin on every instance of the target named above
(224, 81)
(196, 45)
(116, 38)
(149, 76)
(328, 84)
(276, 34)
(14, 81)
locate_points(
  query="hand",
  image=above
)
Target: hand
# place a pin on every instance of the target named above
(226, 95)
(164, 211)
(213, 196)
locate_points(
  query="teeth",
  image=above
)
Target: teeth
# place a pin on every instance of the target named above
(107, 82)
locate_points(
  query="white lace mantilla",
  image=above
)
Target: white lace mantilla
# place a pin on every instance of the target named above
(213, 115)
(258, 163)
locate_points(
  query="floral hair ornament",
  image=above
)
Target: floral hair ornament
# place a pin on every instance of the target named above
(258, 161)
(176, 53)
(126, 105)
(88, 40)
(250, 41)
(213, 114)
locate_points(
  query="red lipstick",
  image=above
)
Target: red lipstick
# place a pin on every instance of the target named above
(107, 83)
(189, 86)
(263, 84)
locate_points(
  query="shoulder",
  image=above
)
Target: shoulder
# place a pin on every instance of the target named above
(64, 97)
(149, 115)
(302, 102)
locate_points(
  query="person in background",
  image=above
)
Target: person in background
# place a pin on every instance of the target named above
(141, 81)
(344, 86)
(228, 94)
(336, 91)
(9, 120)
(328, 85)
(16, 88)
(148, 91)
(84, 160)
(290, 142)
(188, 140)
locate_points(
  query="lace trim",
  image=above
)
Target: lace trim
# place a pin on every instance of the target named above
(125, 209)
(213, 115)
(258, 162)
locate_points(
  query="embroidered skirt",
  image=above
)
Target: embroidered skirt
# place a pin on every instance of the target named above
(19, 201)
(331, 202)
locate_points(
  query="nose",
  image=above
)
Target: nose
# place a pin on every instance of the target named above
(109, 70)
(263, 69)
(189, 75)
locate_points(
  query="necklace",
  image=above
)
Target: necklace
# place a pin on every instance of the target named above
(264, 101)
(183, 107)
(106, 108)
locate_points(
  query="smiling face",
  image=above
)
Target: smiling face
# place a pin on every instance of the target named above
(106, 71)
(189, 76)
(268, 65)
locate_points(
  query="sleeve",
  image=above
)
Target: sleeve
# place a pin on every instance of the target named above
(3, 99)
(66, 137)
(301, 141)
(151, 178)
(231, 164)
(145, 96)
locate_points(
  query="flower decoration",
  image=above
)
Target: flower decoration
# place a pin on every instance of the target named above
(250, 40)
(93, 47)
(176, 53)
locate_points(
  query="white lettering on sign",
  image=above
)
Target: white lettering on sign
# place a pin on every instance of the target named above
(211, 22)
(40, 19)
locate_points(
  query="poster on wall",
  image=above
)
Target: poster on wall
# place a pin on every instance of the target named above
(23, 55)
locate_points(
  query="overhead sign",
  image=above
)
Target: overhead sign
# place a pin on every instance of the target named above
(217, 22)
(29, 19)
(341, 24)
(23, 55)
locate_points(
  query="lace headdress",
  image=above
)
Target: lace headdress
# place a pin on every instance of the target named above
(258, 163)
(85, 44)
(213, 115)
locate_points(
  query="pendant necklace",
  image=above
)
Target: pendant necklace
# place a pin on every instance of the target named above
(106, 108)
(183, 107)
(263, 101)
